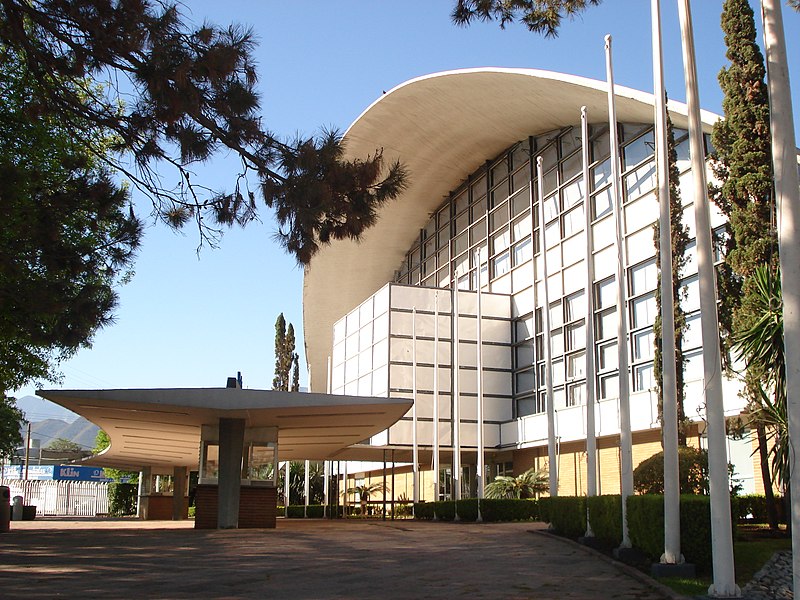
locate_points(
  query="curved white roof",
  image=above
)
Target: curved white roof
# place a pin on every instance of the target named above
(443, 127)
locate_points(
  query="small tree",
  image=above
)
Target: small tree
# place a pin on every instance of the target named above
(11, 421)
(648, 477)
(364, 492)
(287, 374)
(527, 485)
(64, 445)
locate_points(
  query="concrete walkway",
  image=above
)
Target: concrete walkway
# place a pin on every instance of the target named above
(303, 559)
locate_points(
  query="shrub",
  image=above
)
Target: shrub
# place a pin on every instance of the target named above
(423, 510)
(755, 505)
(646, 527)
(467, 509)
(496, 510)
(566, 514)
(648, 477)
(605, 516)
(122, 499)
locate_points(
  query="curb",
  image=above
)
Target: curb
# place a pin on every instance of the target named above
(666, 591)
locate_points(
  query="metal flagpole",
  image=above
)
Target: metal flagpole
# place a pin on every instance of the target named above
(306, 488)
(414, 441)
(548, 358)
(326, 465)
(456, 401)
(669, 426)
(625, 439)
(480, 471)
(721, 533)
(784, 164)
(436, 397)
(286, 494)
(591, 430)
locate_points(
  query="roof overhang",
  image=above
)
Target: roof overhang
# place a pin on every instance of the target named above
(443, 127)
(160, 428)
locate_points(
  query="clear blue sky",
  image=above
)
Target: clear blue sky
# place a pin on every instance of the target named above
(192, 321)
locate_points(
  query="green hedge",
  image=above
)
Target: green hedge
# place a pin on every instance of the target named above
(605, 516)
(646, 526)
(122, 499)
(566, 514)
(756, 505)
(492, 510)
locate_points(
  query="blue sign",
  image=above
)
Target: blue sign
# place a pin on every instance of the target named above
(38, 472)
(77, 473)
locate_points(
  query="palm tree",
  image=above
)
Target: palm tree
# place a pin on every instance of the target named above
(526, 485)
(365, 490)
(761, 347)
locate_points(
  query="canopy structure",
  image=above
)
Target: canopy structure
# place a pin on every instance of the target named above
(160, 428)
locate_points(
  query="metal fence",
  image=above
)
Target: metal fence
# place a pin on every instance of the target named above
(62, 498)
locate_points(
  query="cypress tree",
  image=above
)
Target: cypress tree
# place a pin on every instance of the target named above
(679, 241)
(742, 165)
(285, 357)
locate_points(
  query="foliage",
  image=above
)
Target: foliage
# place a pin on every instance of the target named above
(297, 482)
(743, 165)
(539, 16)
(755, 505)
(11, 421)
(64, 445)
(122, 499)
(679, 242)
(526, 485)
(605, 516)
(761, 347)
(174, 96)
(285, 357)
(495, 510)
(648, 477)
(646, 527)
(365, 490)
(566, 514)
(69, 235)
(298, 511)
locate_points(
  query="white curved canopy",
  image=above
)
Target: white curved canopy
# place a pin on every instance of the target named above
(161, 427)
(443, 127)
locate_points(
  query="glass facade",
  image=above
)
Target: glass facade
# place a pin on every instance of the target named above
(490, 225)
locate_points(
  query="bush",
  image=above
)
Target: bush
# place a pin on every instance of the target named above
(566, 514)
(298, 511)
(648, 477)
(424, 510)
(496, 510)
(467, 509)
(755, 505)
(605, 516)
(122, 499)
(646, 526)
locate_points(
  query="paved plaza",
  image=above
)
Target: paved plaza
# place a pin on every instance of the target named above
(111, 558)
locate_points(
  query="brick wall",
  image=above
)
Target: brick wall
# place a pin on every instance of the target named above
(257, 507)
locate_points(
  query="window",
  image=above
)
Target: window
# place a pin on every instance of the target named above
(575, 336)
(576, 365)
(643, 344)
(575, 306)
(602, 203)
(643, 378)
(576, 394)
(643, 310)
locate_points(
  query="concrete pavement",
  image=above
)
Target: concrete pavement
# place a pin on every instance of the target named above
(109, 558)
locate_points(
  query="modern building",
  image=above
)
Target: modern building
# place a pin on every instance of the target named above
(382, 316)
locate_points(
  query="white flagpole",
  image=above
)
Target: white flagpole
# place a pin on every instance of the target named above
(456, 401)
(436, 398)
(784, 164)
(669, 430)
(548, 358)
(591, 430)
(326, 465)
(480, 470)
(415, 443)
(287, 495)
(721, 531)
(625, 438)
(306, 489)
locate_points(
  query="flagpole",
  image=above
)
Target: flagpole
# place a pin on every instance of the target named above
(456, 401)
(436, 398)
(784, 164)
(625, 438)
(326, 466)
(721, 530)
(548, 358)
(591, 430)
(481, 468)
(669, 424)
(414, 441)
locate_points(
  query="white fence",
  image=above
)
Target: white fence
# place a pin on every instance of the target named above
(62, 498)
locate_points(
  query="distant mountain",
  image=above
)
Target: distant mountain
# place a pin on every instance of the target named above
(81, 432)
(38, 409)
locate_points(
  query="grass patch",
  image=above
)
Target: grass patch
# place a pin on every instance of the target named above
(753, 548)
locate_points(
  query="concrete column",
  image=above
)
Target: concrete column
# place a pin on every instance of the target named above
(231, 441)
(145, 477)
(179, 477)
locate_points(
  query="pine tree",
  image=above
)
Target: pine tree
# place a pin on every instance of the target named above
(742, 165)
(173, 95)
(679, 240)
(539, 16)
(295, 374)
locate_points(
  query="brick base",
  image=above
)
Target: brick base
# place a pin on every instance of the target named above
(258, 507)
